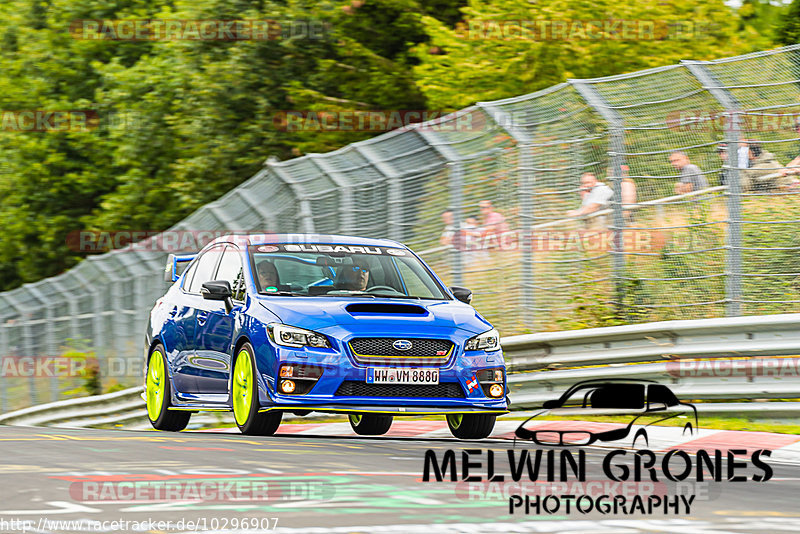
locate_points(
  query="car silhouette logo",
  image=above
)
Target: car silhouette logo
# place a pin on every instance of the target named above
(402, 344)
(643, 402)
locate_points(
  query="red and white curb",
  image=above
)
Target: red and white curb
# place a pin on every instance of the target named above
(785, 447)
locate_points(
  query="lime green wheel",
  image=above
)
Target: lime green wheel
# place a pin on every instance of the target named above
(471, 425)
(157, 393)
(370, 424)
(244, 397)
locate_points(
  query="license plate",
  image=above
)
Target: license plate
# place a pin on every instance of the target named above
(393, 375)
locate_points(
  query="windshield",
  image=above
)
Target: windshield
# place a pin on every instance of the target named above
(342, 270)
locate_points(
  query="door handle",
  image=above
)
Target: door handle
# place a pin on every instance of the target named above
(202, 317)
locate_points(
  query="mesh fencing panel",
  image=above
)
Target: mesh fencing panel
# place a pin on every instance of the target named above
(488, 197)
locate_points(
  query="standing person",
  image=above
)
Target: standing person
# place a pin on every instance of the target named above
(449, 231)
(691, 177)
(793, 167)
(493, 222)
(628, 193)
(743, 157)
(597, 196)
(763, 172)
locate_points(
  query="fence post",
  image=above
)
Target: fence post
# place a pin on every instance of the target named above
(733, 285)
(346, 205)
(393, 190)
(525, 167)
(617, 152)
(49, 339)
(4, 353)
(456, 187)
(305, 213)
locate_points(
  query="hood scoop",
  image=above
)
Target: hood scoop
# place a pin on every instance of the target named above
(375, 308)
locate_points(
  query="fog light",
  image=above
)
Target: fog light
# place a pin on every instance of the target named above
(287, 386)
(496, 390)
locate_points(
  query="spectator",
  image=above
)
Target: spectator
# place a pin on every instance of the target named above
(446, 239)
(691, 177)
(724, 173)
(597, 195)
(764, 171)
(743, 157)
(474, 251)
(493, 222)
(628, 192)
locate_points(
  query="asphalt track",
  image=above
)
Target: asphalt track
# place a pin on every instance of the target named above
(317, 483)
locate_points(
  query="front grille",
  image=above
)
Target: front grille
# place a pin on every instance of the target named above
(431, 351)
(352, 388)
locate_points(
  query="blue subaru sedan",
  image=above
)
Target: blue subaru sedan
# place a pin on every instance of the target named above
(267, 324)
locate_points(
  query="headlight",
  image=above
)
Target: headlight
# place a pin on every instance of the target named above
(487, 341)
(289, 336)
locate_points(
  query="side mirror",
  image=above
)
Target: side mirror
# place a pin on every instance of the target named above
(549, 405)
(462, 293)
(218, 290)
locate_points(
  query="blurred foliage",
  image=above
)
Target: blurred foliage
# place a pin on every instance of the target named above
(182, 122)
(789, 29)
(475, 61)
(88, 369)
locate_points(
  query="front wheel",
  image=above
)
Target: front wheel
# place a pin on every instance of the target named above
(369, 424)
(471, 425)
(157, 393)
(244, 397)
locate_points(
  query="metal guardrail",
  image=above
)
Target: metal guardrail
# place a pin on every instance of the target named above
(706, 360)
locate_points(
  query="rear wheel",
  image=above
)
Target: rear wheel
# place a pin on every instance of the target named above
(244, 397)
(471, 425)
(370, 424)
(158, 394)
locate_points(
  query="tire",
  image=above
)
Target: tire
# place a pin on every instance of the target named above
(158, 394)
(471, 425)
(369, 424)
(244, 397)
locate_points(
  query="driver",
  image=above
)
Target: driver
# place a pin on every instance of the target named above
(355, 277)
(267, 275)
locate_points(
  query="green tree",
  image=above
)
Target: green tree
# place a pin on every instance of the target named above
(492, 55)
(181, 122)
(789, 31)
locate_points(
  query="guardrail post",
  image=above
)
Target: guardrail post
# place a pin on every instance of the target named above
(617, 152)
(733, 129)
